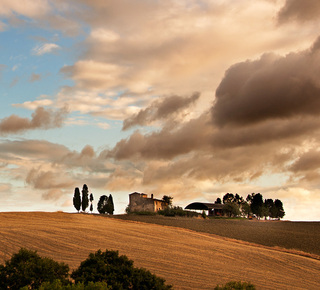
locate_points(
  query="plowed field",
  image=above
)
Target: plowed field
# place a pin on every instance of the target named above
(187, 259)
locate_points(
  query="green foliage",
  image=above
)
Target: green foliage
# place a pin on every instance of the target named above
(231, 209)
(77, 199)
(236, 286)
(218, 201)
(102, 204)
(257, 204)
(102, 270)
(245, 209)
(167, 199)
(28, 269)
(117, 271)
(279, 209)
(142, 212)
(176, 211)
(204, 215)
(85, 198)
(57, 285)
(110, 205)
(228, 198)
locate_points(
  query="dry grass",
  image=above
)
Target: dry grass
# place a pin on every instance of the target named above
(187, 259)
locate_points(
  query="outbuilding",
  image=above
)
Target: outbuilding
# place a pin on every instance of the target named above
(214, 209)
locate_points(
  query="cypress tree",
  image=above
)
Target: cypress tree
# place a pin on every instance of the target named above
(85, 198)
(77, 199)
(91, 200)
(110, 205)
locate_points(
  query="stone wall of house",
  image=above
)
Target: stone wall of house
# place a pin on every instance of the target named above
(141, 202)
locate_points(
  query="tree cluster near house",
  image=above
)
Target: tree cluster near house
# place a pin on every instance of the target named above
(105, 204)
(253, 205)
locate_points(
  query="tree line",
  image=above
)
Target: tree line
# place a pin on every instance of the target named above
(81, 202)
(254, 204)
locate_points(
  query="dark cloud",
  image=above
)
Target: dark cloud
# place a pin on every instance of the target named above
(160, 110)
(270, 87)
(309, 161)
(165, 144)
(41, 119)
(300, 11)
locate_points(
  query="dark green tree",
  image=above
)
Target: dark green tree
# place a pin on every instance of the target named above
(238, 199)
(77, 199)
(231, 209)
(110, 205)
(257, 204)
(168, 199)
(279, 209)
(245, 209)
(91, 200)
(269, 205)
(218, 201)
(102, 204)
(228, 198)
(27, 269)
(85, 197)
(117, 271)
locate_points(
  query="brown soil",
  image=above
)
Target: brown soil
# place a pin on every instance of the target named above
(300, 236)
(187, 259)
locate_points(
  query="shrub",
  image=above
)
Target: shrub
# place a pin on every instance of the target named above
(177, 211)
(117, 271)
(57, 285)
(233, 285)
(27, 268)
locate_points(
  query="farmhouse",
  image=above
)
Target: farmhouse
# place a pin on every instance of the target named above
(141, 202)
(214, 209)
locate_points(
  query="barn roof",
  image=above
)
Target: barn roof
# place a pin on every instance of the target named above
(204, 206)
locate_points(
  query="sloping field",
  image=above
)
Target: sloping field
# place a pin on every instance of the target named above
(300, 236)
(187, 259)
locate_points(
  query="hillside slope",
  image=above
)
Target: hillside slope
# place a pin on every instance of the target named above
(187, 259)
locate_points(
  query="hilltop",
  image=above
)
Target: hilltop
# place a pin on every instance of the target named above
(187, 259)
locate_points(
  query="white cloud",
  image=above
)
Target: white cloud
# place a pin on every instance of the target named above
(45, 48)
(34, 104)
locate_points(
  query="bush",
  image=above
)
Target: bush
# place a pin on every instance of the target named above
(28, 269)
(117, 271)
(177, 211)
(57, 285)
(236, 286)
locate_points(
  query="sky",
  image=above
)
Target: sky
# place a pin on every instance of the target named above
(191, 99)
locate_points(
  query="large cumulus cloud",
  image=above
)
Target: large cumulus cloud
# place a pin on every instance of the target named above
(301, 11)
(270, 87)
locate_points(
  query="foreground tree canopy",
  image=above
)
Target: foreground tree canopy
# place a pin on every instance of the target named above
(102, 270)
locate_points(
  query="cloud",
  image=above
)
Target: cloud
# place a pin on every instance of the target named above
(34, 78)
(160, 109)
(263, 118)
(47, 179)
(33, 105)
(31, 8)
(270, 87)
(45, 48)
(41, 119)
(95, 75)
(300, 11)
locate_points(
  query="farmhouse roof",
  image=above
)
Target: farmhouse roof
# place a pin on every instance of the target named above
(204, 206)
